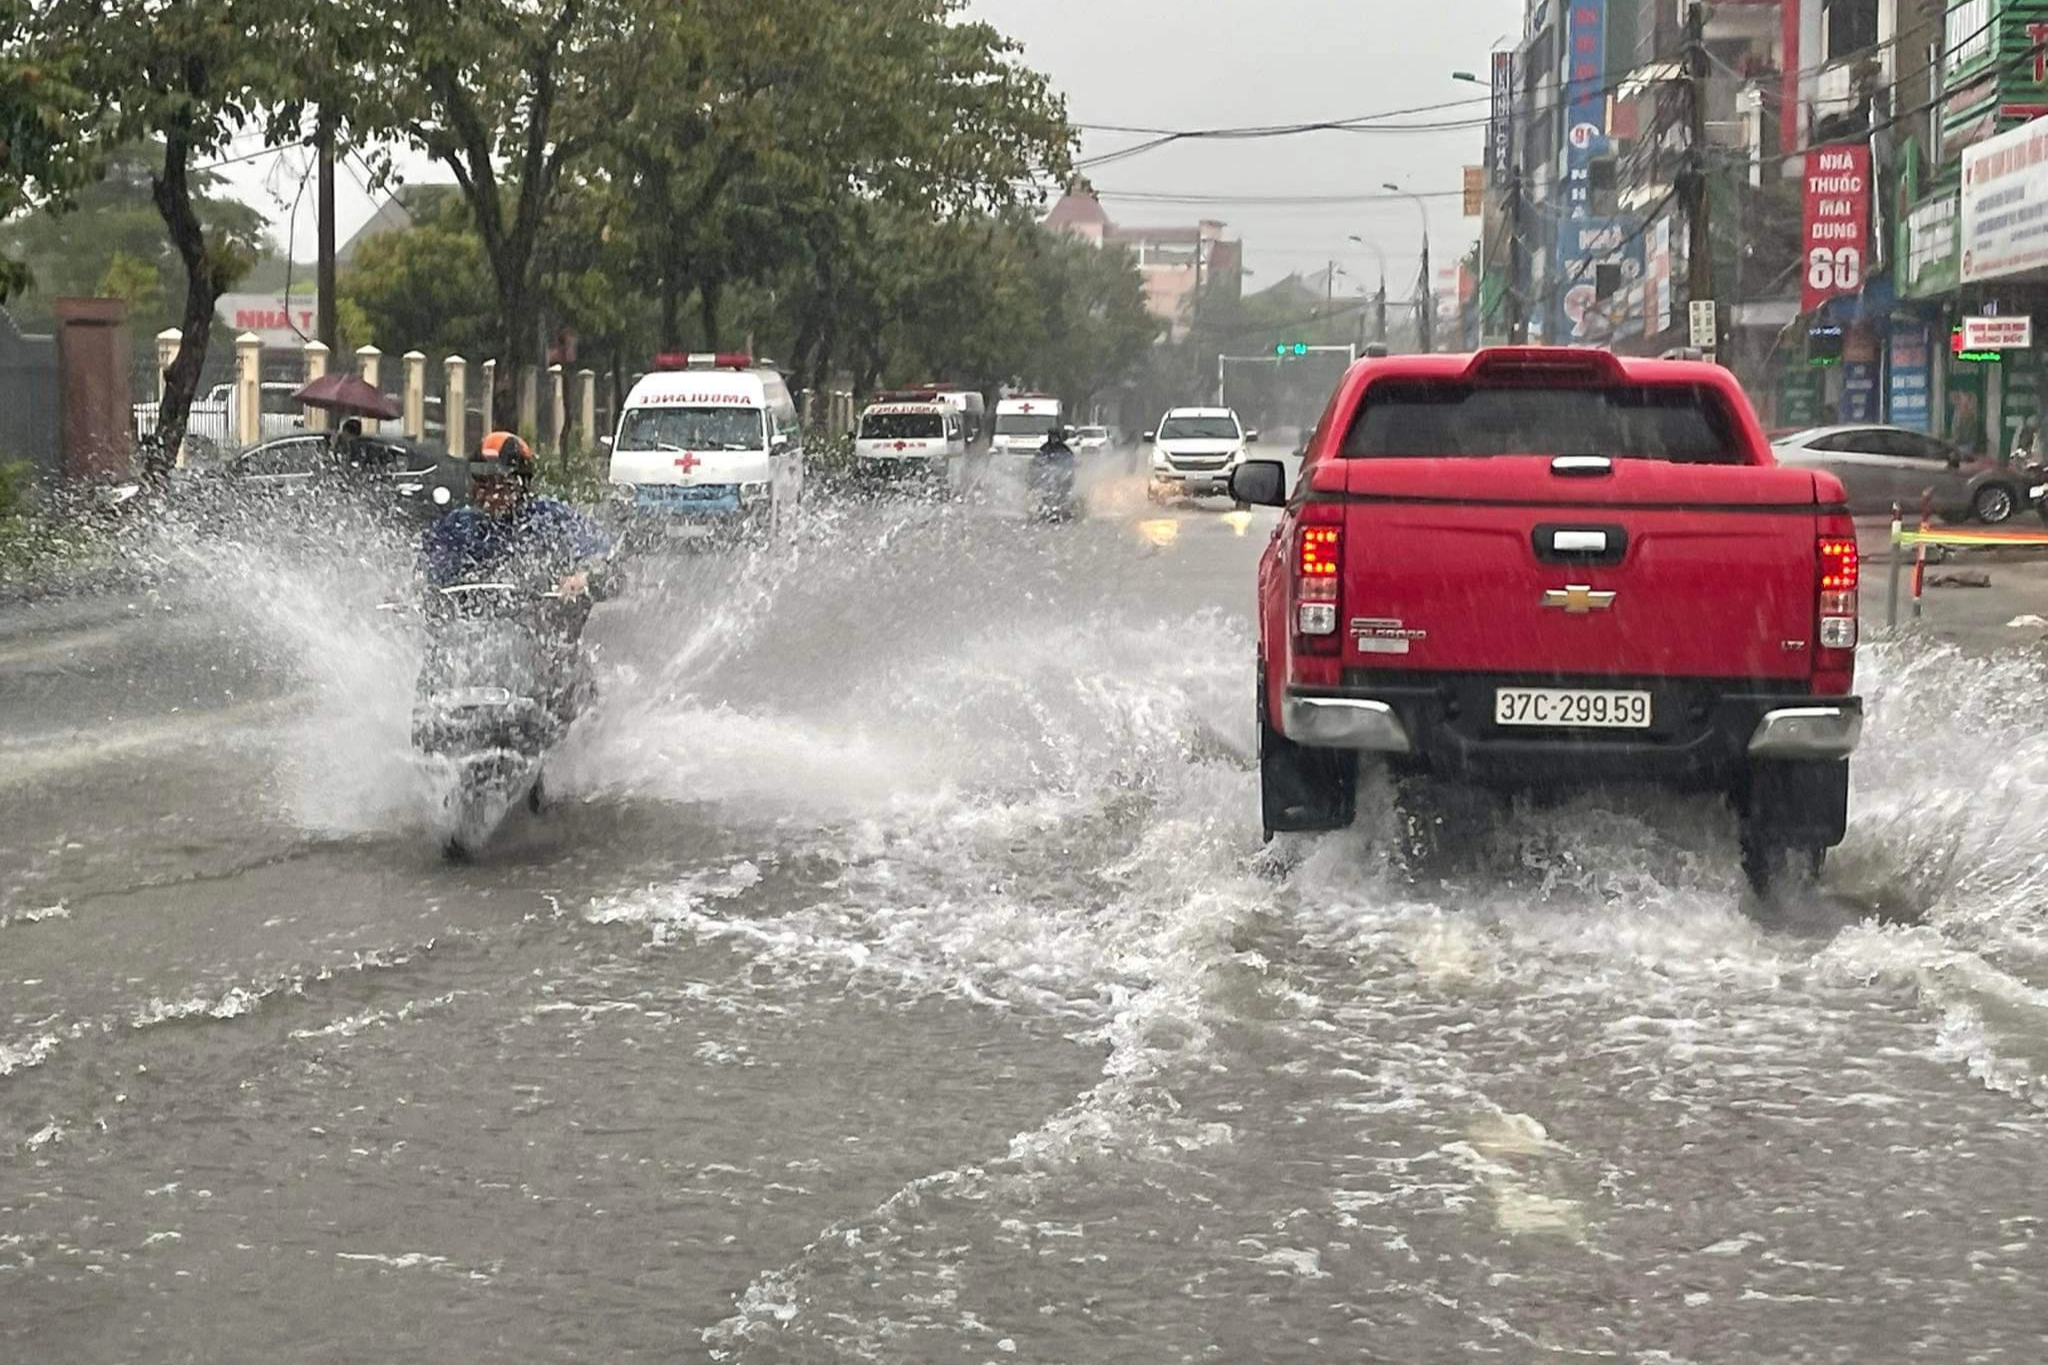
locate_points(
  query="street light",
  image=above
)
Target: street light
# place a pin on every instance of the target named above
(1425, 306)
(1380, 308)
(1467, 77)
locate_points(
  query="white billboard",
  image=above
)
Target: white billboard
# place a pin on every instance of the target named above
(283, 321)
(2005, 204)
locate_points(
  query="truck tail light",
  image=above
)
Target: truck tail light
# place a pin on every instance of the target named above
(1318, 564)
(1841, 571)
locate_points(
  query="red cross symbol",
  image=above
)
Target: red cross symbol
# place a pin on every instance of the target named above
(1026, 407)
(900, 445)
(688, 462)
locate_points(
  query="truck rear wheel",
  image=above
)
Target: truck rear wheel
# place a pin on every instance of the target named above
(1792, 813)
(1302, 790)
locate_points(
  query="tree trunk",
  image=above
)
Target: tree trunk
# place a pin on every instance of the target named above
(671, 314)
(709, 292)
(204, 283)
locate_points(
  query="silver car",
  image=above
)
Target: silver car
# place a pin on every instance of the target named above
(1881, 466)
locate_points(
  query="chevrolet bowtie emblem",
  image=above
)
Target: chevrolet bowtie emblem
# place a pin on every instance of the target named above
(1578, 600)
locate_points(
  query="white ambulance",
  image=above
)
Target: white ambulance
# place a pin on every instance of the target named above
(910, 436)
(1022, 420)
(708, 446)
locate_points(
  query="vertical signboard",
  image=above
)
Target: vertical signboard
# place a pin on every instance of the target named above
(1836, 223)
(1585, 94)
(1598, 261)
(1500, 127)
(1908, 366)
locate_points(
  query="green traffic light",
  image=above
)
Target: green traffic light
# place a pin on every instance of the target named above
(1287, 348)
(1301, 348)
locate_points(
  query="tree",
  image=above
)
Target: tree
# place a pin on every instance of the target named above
(427, 287)
(189, 78)
(111, 230)
(512, 97)
(45, 126)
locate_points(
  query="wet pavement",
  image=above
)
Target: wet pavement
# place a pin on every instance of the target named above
(900, 976)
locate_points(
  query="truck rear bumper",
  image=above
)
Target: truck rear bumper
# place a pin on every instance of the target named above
(1706, 735)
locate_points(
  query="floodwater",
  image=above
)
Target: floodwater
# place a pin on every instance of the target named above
(900, 977)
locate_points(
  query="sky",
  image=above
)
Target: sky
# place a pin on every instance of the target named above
(1185, 64)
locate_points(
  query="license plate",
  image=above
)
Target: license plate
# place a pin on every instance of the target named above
(688, 530)
(1571, 708)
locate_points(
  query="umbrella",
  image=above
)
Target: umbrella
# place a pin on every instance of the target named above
(347, 393)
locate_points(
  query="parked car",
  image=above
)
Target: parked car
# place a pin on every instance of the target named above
(1091, 440)
(1543, 569)
(306, 466)
(1883, 465)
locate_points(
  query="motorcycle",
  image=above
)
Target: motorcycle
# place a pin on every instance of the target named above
(504, 676)
(1053, 497)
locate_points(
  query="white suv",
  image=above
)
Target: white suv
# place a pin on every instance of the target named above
(1194, 450)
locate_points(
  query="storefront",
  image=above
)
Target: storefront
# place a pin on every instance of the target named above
(1994, 375)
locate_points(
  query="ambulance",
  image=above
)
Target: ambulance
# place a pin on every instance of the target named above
(1022, 421)
(709, 446)
(910, 436)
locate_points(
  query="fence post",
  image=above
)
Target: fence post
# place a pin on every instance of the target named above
(557, 398)
(248, 389)
(455, 406)
(586, 409)
(1891, 601)
(529, 401)
(167, 343)
(415, 396)
(316, 366)
(1920, 550)
(370, 365)
(489, 394)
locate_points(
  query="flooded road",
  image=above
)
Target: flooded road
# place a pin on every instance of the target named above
(900, 977)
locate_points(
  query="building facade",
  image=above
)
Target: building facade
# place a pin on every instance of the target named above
(1179, 265)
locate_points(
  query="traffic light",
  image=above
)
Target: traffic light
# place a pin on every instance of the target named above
(1287, 348)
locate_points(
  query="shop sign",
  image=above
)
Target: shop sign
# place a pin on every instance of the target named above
(1585, 95)
(1930, 255)
(1500, 129)
(1908, 368)
(2014, 333)
(1859, 392)
(1835, 223)
(1657, 298)
(2005, 204)
(1798, 399)
(1587, 247)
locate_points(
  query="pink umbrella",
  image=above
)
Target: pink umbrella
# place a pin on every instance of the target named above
(348, 393)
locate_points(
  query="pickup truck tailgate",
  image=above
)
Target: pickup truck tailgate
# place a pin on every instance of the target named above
(1643, 569)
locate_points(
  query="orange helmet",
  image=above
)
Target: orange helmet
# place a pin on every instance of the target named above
(503, 455)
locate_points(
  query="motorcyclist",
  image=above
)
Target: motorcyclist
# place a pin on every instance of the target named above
(506, 523)
(508, 531)
(1052, 473)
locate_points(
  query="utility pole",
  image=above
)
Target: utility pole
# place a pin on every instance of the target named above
(1692, 183)
(324, 275)
(1425, 304)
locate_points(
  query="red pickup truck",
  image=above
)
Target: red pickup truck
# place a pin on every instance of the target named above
(1537, 569)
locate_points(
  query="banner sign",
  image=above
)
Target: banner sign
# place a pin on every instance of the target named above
(2005, 204)
(1585, 95)
(2014, 333)
(1908, 370)
(1592, 253)
(1836, 223)
(1500, 126)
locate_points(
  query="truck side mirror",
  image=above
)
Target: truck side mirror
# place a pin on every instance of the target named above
(1151, 436)
(1262, 483)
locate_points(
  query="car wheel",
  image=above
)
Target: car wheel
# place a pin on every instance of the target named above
(1993, 504)
(1302, 789)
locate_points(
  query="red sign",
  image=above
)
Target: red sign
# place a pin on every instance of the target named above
(1836, 236)
(689, 462)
